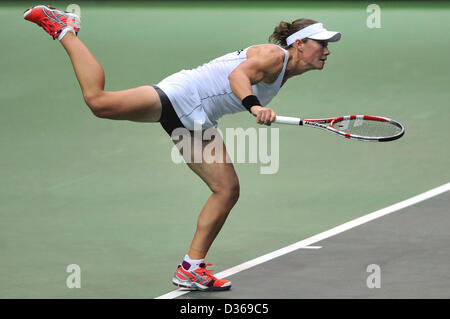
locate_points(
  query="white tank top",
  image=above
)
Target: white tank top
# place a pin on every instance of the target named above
(204, 94)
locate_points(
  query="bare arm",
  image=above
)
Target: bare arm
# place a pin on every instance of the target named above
(263, 63)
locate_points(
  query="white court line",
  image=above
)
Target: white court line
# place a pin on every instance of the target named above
(316, 238)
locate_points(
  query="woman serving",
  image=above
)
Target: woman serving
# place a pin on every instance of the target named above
(245, 80)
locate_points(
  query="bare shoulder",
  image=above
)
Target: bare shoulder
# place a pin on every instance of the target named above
(264, 63)
(268, 52)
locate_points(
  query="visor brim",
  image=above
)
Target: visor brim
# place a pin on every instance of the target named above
(330, 36)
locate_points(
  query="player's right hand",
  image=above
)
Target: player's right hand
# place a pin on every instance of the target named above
(264, 115)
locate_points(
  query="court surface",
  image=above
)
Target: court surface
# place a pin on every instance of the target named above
(106, 196)
(409, 247)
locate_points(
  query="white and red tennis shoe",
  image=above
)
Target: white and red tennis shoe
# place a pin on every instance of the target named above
(199, 279)
(54, 22)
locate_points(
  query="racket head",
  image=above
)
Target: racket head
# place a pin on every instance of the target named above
(367, 128)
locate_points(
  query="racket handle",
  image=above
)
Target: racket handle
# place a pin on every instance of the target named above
(288, 120)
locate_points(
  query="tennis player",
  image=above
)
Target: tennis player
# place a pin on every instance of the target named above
(244, 80)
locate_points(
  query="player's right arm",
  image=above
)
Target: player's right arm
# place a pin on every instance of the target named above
(264, 63)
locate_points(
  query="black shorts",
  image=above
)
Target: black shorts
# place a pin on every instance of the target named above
(169, 119)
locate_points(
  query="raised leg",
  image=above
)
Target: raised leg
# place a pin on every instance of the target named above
(141, 104)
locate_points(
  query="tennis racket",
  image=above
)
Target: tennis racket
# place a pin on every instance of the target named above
(357, 127)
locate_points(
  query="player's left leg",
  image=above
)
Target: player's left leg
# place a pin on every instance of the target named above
(218, 173)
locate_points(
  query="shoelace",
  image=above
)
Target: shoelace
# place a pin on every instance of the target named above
(207, 271)
(44, 23)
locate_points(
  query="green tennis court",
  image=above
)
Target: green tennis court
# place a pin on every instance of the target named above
(105, 195)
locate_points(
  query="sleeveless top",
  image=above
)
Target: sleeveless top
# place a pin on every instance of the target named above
(203, 94)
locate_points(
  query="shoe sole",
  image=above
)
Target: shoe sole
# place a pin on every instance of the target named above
(200, 287)
(70, 15)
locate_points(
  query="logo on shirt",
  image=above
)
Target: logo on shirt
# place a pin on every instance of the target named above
(239, 51)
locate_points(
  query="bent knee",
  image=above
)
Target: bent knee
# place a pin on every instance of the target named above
(229, 191)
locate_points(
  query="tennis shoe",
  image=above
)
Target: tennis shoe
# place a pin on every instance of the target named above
(53, 21)
(199, 279)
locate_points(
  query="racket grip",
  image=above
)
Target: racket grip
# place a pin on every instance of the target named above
(288, 120)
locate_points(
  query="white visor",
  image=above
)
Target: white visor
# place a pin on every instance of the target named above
(315, 31)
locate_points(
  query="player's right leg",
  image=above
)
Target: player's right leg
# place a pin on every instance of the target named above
(141, 104)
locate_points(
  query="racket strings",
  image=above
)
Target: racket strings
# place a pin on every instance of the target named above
(367, 128)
